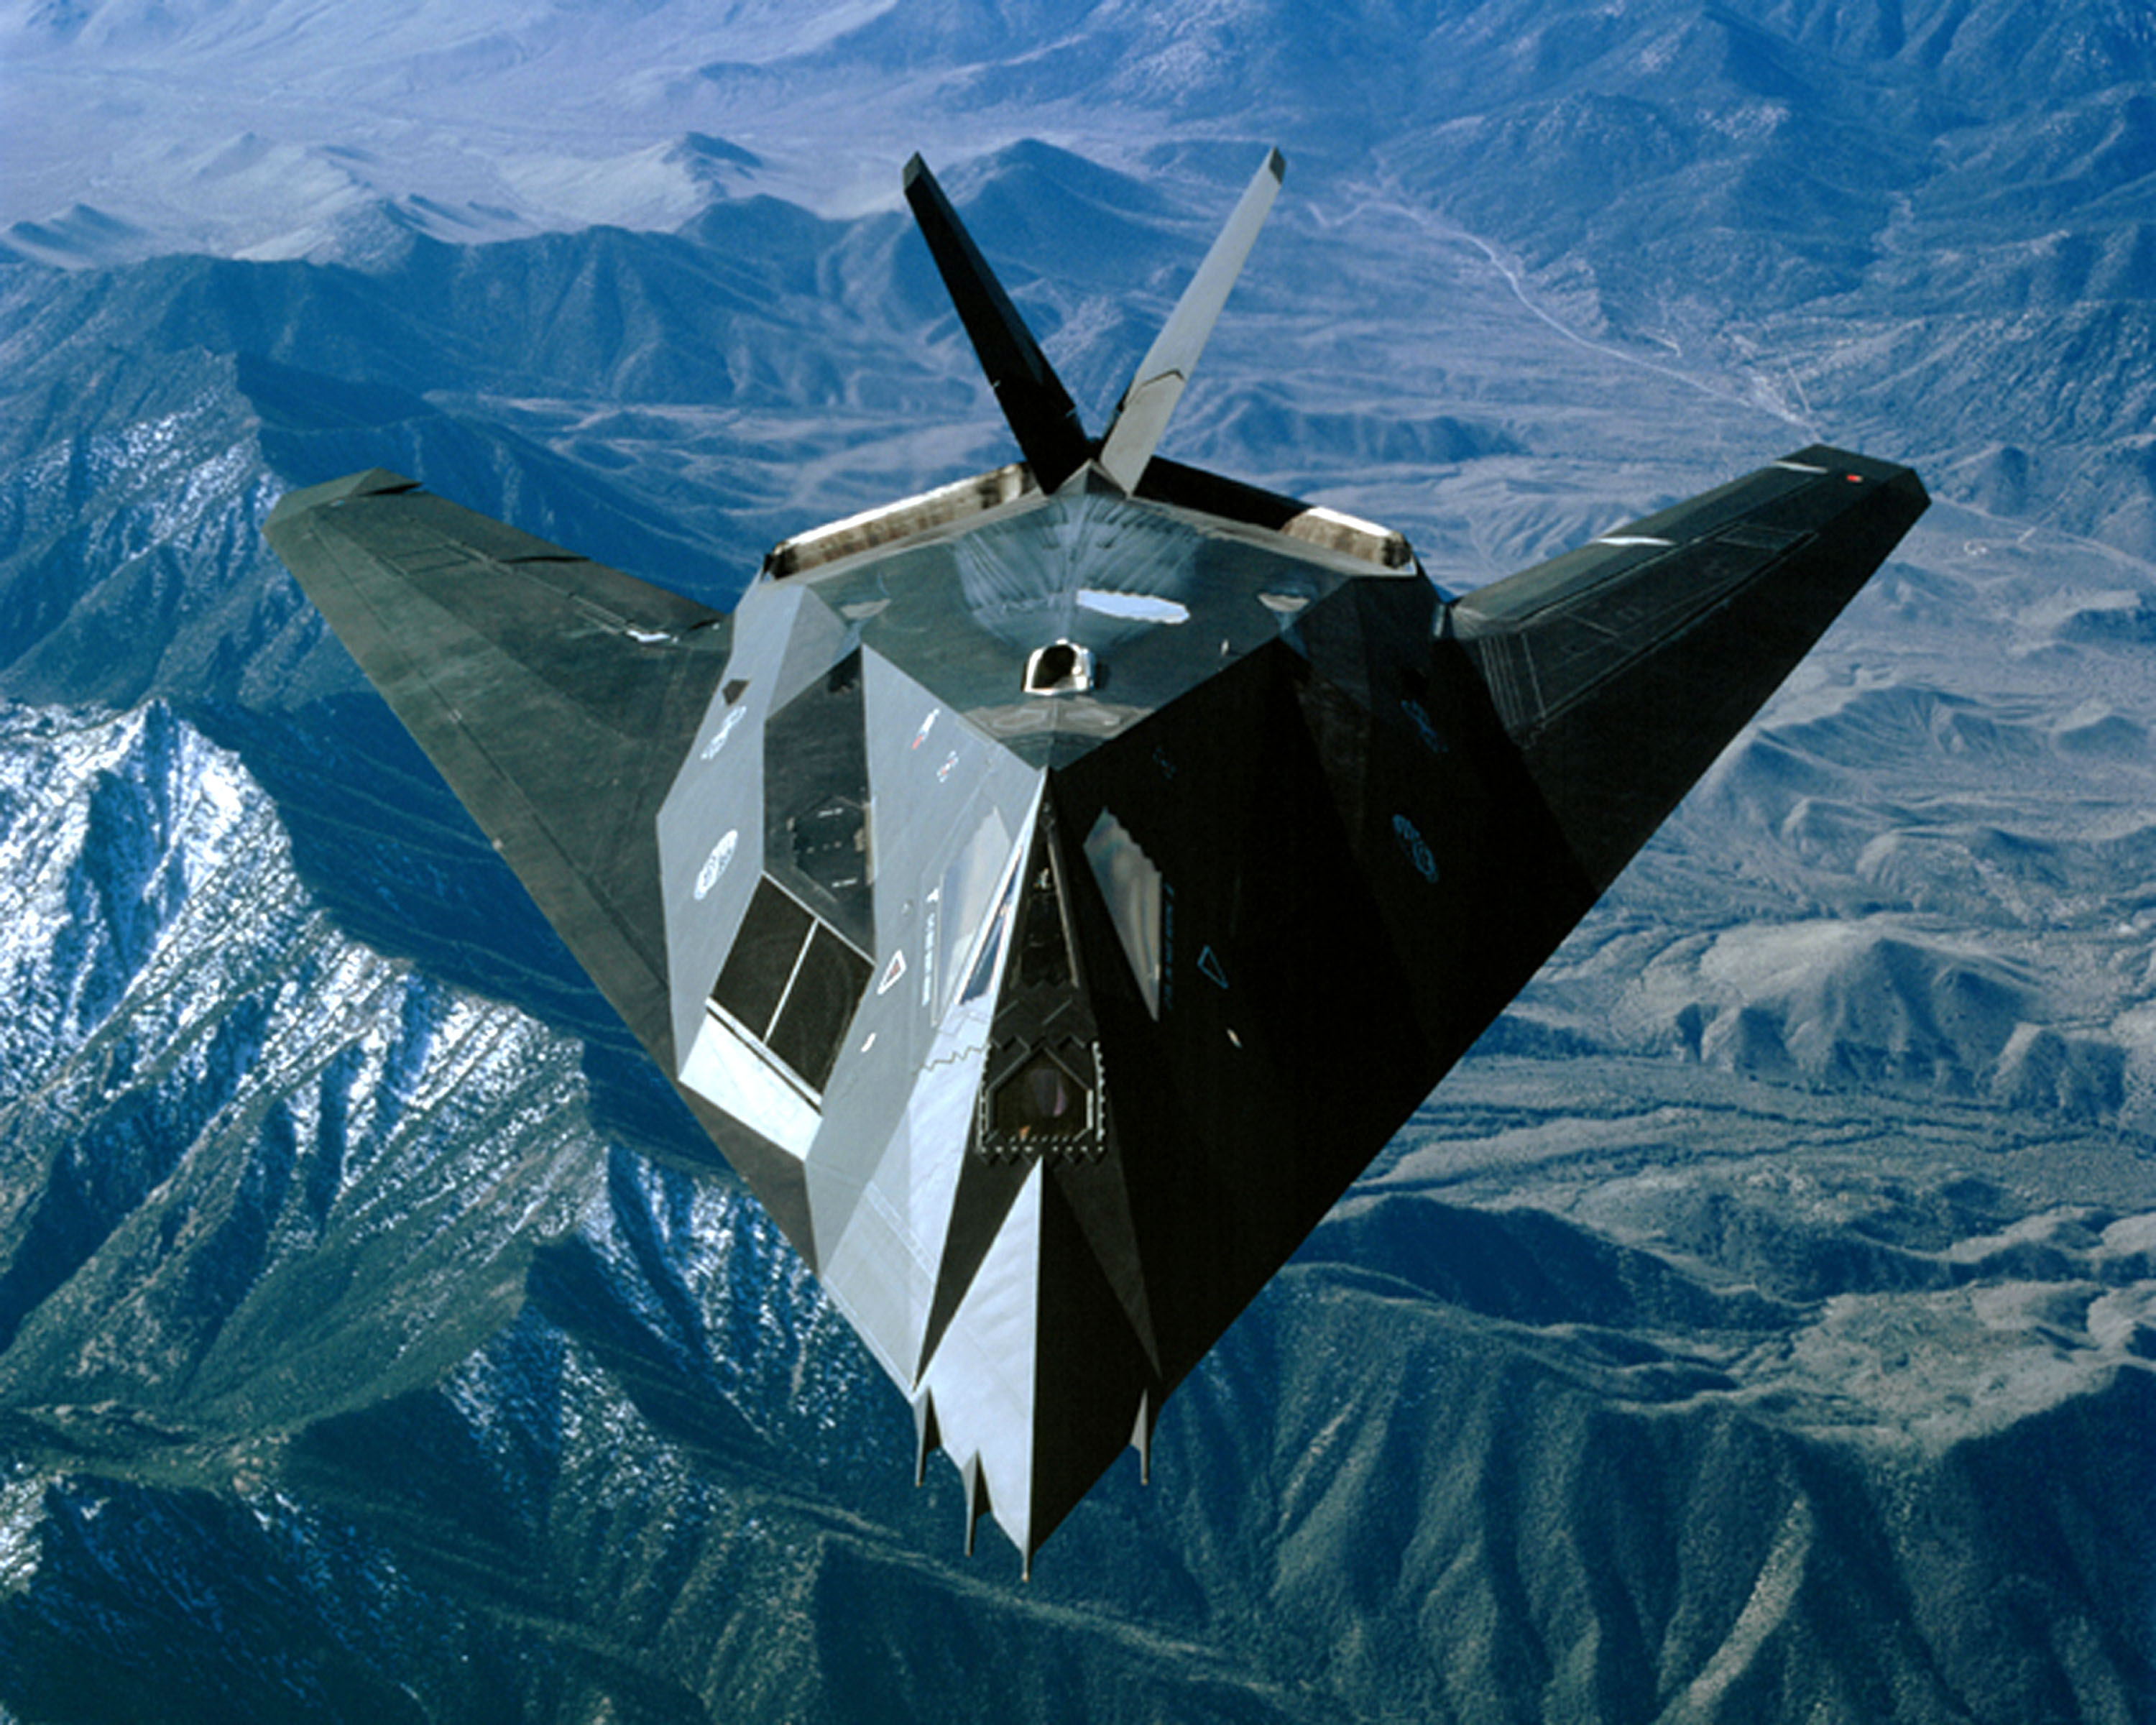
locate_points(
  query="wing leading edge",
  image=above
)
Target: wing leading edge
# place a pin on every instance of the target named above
(1622, 669)
(556, 696)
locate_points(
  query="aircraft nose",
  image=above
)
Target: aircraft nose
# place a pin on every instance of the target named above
(1040, 1363)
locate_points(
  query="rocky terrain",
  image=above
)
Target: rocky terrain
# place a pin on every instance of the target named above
(1761, 1323)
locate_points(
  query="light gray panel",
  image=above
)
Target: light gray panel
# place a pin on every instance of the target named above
(870, 1266)
(939, 793)
(983, 1373)
(942, 792)
(816, 637)
(883, 1262)
(1131, 885)
(718, 792)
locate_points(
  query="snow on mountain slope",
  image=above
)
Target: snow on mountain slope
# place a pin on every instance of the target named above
(206, 1085)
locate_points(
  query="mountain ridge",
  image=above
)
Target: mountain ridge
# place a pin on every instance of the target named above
(1759, 1321)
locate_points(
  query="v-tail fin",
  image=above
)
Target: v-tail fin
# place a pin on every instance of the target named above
(1143, 414)
(1039, 408)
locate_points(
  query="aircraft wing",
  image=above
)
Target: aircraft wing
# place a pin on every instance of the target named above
(1622, 669)
(556, 696)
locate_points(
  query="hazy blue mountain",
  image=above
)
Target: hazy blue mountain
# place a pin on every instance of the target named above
(1761, 1324)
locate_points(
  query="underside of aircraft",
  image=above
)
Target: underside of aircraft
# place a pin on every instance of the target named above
(1051, 891)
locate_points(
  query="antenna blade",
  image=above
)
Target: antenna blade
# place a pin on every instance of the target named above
(1146, 404)
(1039, 410)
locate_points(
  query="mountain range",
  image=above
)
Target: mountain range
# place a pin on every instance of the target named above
(1761, 1323)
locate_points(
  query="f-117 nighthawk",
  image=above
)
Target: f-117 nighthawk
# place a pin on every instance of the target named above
(1051, 890)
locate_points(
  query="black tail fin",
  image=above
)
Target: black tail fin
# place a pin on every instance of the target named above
(1041, 414)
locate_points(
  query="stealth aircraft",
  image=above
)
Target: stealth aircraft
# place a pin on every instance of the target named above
(1051, 890)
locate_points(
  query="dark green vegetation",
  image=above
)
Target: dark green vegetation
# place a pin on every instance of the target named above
(1761, 1326)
